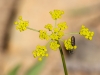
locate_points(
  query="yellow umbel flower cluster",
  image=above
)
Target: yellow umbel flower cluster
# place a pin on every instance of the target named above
(21, 26)
(56, 34)
(43, 35)
(56, 14)
(40, 52)
(54, 45)
(68, 45)
(86, 33)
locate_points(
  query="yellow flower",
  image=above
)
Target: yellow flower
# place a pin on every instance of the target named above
(54, 45)
(49, 27)
(40, 52)
(92, 33)
(56, 14)
(86, 33)
(75, 47)
(54, 36)
(22, 25)
(68, 44)
(60, 34)
(43, 35)
(56, 30)
(62, 26)
(90, 38)
(46, 55)
(86, 37)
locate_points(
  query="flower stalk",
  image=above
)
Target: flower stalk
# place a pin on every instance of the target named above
(32, 29)
(71, 33)
(63, 60)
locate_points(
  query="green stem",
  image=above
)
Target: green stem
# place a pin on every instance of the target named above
(63, 60)
(32, 29)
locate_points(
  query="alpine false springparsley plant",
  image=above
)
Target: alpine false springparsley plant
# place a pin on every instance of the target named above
(57, 32)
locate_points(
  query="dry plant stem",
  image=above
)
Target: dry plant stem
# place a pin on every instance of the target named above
(63, 60)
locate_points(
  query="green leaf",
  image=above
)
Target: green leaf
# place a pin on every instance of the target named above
(14, 70)
(35, 69)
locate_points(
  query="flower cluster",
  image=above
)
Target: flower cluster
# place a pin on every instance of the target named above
(62, 26)
(56, 34)
(56, 14)
(43, 35)
(40, 52)
(86, 33)
(68, 45)
(60, 34)
(49, 27)
(21, 26)
(54, 45)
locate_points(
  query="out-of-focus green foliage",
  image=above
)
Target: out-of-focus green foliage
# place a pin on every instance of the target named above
(14, 70)
(36, 69)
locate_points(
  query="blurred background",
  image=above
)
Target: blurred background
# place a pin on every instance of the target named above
(16, 47)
